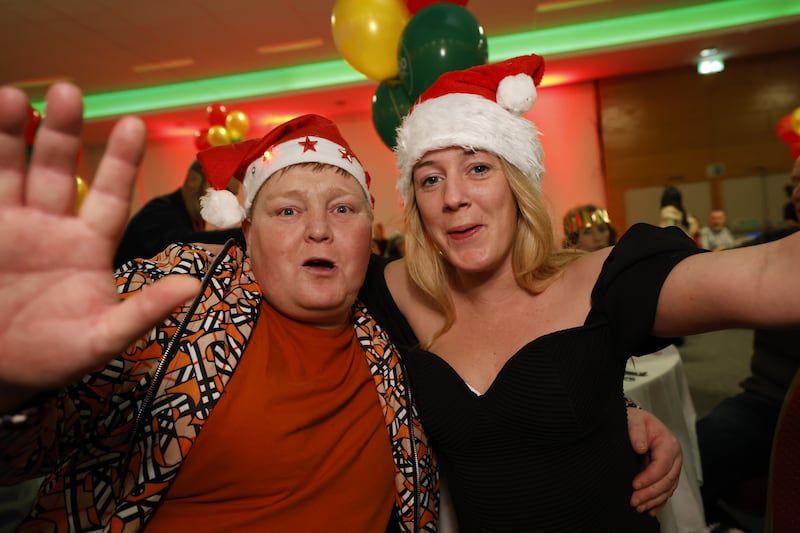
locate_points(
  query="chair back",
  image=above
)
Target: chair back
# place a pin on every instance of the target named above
(783, 496)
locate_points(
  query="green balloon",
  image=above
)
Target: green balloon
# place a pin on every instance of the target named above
(390, 104)
(439, 38)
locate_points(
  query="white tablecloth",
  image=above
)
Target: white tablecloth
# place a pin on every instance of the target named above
(664, 392)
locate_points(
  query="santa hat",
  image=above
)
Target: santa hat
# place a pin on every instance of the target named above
(305, 139)
(478, 108)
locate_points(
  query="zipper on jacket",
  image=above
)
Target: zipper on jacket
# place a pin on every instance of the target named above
(413, 439)
(169, 353)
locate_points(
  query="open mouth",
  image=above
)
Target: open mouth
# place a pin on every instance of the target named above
(319, 263)
(461, 232)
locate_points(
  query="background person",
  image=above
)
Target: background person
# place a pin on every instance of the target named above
(716, 236)
(172, 218)
(673, 213)
(790, 216)
(587, 227)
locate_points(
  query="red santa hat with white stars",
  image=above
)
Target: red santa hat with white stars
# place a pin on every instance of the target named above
(478, 108)
(305, 139)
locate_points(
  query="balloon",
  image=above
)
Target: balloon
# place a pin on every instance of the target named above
(216, 113)
(201, 139)
(218, 135)
(366, 34)
(237, 124)
(80, 192)
(34, 118)
(440, 38)
(794, 150)
(390, 104)
(234, 136)
(785, 131)
(416, 5)
(794, 120)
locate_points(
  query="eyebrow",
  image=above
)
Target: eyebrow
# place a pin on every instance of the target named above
(466, 151)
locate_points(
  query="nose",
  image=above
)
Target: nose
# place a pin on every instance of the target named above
(454, 193)
(318, 228)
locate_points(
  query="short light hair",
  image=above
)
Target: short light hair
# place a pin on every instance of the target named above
(536, 259)
(314, 166)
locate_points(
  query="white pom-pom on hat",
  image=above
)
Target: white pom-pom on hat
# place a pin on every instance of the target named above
(221, 208)
(516, 93)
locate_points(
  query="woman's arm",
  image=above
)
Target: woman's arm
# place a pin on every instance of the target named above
(756, 286)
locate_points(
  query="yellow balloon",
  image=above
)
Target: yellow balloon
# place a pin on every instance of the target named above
(367, 35)
(218, 135)
(237, 123)
(795, 120)
(80, 192)
(234, 136)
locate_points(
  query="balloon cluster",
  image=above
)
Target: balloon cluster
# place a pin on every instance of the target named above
(788, 131)
(34, 119)
(223, 127)
(406, 46)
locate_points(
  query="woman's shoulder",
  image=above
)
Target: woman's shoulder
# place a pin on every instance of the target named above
(579, 276)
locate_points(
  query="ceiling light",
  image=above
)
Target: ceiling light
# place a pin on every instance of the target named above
(546, 7)
(710, 66)
(169, 64)
(291, 46)
(35, 83)
(710, 62)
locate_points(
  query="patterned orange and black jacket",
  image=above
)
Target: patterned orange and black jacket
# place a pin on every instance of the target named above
(112, 443)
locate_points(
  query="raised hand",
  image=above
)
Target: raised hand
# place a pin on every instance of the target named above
(60, 315)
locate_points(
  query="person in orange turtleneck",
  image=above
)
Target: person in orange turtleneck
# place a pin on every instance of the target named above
(206, 389)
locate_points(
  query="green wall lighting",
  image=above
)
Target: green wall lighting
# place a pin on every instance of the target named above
(572, 39)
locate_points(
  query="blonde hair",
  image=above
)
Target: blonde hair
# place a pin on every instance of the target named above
(535, 257)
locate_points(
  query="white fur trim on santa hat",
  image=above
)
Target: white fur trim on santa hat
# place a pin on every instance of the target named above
(306, 149)
(474, 122)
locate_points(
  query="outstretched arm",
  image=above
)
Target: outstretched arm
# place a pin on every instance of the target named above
(656, 483)
(752, 287)
(60, 316)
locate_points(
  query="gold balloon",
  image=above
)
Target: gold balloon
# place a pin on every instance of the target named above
(795, 120)
(367, 35)
(218, 135)
(80, 192)
(237, 125)
(234, 136)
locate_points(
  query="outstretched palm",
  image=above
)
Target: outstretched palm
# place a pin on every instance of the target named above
(60, 315)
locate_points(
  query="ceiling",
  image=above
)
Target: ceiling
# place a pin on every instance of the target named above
(106, 46)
